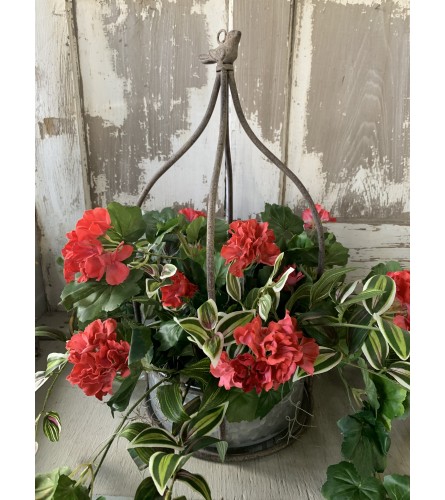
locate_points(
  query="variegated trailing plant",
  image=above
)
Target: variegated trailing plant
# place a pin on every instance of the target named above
(136, 289)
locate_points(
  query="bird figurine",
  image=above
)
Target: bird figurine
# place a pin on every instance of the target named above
(226, 52)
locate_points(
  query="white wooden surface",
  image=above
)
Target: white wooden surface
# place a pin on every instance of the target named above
(295, 473)
(324, 83)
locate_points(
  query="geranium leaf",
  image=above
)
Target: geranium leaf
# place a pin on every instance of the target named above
(194, 328)
(344, 482)
(375, 349)
(378, 304)
(120, 400)
(396, 337)
(162, 466)
(194, 228)
(170, 334)
(153, 437)
(127, 222)
(233, 287)
(321, 288)
(170, 400)
(208, 314)
(327, 359)
(46, 484)
(204, 422)
(391, 397)
(147, 490)
(400, 371)
(365, 442)
(397, 487)
(283, 222)
(195, 481)
(52, 426)
(68, 489)
(141, 345)
(242, 405)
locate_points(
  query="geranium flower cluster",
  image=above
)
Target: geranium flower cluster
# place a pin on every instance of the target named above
(97, 358)
(308, 220)
(190, 214)
(251, 242)
(402, 280)
(84, 252)
(275, 353)
(173, 295)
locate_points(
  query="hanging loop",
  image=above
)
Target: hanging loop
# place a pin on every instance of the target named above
(218, 35)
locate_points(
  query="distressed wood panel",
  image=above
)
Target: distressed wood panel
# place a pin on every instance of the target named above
(261, 72)
(60, 197)
(350, 107)
(295, 473)
(145, 92)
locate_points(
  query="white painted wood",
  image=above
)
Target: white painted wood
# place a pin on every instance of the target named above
(295, 473)
(60, 198)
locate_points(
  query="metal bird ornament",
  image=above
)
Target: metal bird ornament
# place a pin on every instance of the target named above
(226, 52)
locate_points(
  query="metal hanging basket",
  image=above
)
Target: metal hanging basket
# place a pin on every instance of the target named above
(224, 56)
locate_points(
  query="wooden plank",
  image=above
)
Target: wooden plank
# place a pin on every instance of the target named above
(296, 472)
(261, 73)
(350, 107)
(60, 197)
(145, 91)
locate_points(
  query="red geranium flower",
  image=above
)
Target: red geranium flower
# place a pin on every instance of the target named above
(97, 358)
(191, 214)
(75, 253)
(251, 241)
(110, 264)
(402, 280)
(93, 224)
(308, 220)
(180, 288)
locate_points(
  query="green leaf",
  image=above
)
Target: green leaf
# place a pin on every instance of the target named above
(242, 405)
(380, 303)
(400, 371)
(153, 437)
(264, 306)
(251, 298)
(222, 447)
(365, 442)
(154, 219)
(162, 466)
(194, 228)
(68, 489)
(321, 288)
(283, 222)
(141, 345)
(147, 490)
(301, 292)
(195, 481)
(198, 371)
(355, 337)
(46, 484)
(384, 268)
(336, 254)
(213, 395)
(396, 337)
(52, 426)
(127, 222)
(227, 324)
(344, 482)
(170, 334)
(397, 487)
(391, 397)
(208, 314)
(233, 287)
(370, 388)
(170, 400)
(327, 359)
(205, 422)
(51, 333)
(120, 400)
(375, 349)
(221, 230)
(213, 348)
(193, 327)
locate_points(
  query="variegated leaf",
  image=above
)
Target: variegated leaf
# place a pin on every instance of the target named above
(193, 327)
(195, 481)
(204, 423)
(326, 360)
(154, 437)
(55, 361)
(300, 292)
(52, 426)
(140, 456)
(152, 287)
(400, 371)
(396, 337)
(233, 287)
(208, 314)
(378, 304)
(170, 400)
(168, 271)
(213, 347)
(278, 286)
(41, 378)
(162, 466)
(227, 324)
(345, 290)
(276, 267)
(360, 297)
(321, 288)
(375, 349)
(52, 333)
(264, 306)
(147, 490)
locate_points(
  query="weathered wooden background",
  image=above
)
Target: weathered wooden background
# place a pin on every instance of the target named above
(324, 84)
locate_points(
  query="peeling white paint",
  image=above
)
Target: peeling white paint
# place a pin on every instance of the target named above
(215, 14)
(103, 89)
(400, 8)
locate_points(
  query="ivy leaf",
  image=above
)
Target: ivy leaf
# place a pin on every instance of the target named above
(343, 481)
(397, 487)
(127, 222)
(283, 222)
(365, 442)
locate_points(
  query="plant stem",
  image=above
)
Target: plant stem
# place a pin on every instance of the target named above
(110, 441)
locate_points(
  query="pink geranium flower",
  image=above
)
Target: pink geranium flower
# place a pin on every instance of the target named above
(308, 220)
